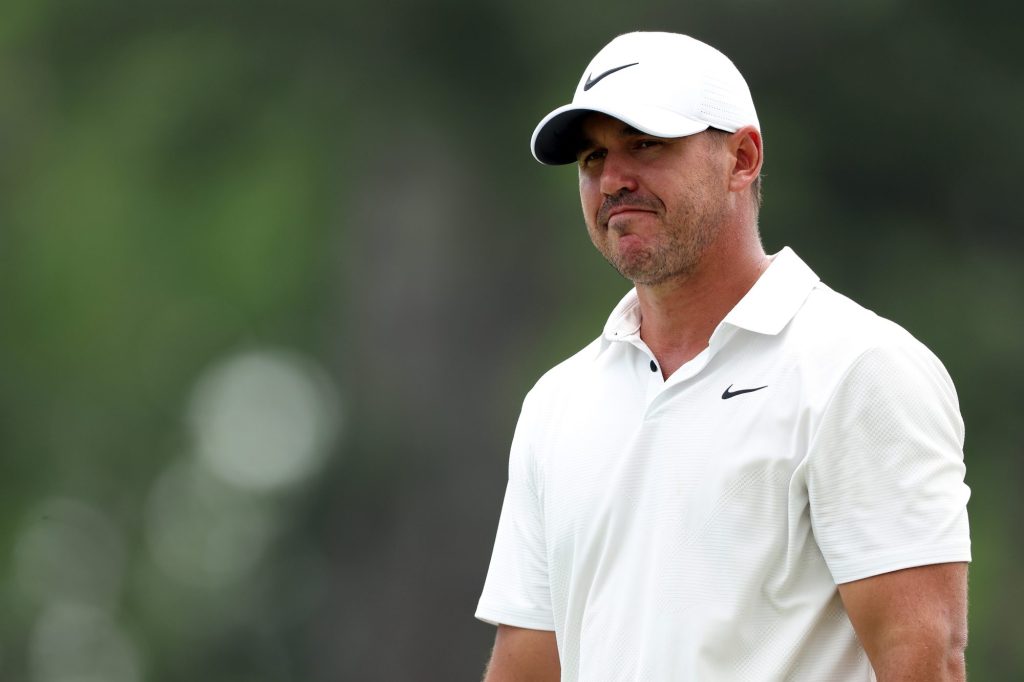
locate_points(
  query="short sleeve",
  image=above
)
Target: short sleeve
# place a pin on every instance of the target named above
(885, 474)
(516, 591)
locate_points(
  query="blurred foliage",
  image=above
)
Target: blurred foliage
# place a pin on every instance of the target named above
(223, 210)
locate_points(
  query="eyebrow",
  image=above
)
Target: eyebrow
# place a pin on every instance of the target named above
(585, 142)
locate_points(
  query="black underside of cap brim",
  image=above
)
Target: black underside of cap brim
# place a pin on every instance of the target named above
(560, 139)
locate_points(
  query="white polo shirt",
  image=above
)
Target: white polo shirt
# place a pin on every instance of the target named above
(696, 528)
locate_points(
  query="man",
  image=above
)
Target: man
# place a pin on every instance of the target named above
(747, 476)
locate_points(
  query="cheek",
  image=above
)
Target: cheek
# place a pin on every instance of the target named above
(590, 200)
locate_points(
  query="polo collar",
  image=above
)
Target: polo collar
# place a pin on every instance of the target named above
(766, 309)
(624, 322)
(776, 296)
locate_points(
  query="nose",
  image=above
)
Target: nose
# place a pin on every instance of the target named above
(617, 174)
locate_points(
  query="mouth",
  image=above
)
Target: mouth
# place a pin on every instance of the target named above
(619, 210)
(626, 212)
(628, 209)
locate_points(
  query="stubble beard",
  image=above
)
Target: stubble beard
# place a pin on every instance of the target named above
(676, 252)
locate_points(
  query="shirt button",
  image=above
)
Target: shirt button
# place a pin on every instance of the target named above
(654, 367)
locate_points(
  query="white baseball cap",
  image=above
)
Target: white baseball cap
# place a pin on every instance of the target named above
(663, 84)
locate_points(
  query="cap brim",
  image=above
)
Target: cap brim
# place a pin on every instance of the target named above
(557, 138)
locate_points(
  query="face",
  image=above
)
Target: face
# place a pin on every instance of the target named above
(652, 205)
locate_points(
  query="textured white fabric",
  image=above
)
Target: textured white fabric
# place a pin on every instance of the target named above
(667, 533)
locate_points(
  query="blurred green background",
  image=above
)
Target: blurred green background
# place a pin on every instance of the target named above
(274, 278)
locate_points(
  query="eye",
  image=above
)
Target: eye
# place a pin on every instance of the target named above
(647, 143)
(588, 157)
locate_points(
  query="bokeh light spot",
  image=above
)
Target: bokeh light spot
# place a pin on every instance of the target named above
(69, 551)
(203, 532)
(263, 420)
(79, 643)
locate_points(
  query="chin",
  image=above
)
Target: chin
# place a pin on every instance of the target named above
(637, 273)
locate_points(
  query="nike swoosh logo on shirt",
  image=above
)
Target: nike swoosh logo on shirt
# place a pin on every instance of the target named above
(732, 394)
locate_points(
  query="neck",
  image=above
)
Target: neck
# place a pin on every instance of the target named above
(679, 315)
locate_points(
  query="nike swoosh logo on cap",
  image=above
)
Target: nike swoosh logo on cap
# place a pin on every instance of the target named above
(591, 82)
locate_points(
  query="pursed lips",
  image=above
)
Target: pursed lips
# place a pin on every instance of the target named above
(618, 210)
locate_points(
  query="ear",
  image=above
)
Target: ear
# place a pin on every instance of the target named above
(747, 154)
